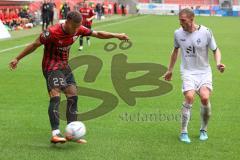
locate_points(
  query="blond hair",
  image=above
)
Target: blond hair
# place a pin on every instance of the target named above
(188, 12)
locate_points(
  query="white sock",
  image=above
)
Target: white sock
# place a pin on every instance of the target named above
(55, 132)
(186, 114)
(205, 115)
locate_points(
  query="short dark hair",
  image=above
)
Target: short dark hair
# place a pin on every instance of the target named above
(187, 11)
(74, 16)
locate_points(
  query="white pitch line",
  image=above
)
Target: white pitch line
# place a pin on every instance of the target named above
(9, 49)
(24, 45)
(132, 19)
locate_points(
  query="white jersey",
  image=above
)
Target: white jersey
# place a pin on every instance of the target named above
(194, 49)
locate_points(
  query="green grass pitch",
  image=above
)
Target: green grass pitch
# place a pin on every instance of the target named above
(24, 124)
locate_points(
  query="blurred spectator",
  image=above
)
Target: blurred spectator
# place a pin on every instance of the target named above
(64, 10)
(37, 17)
(99, 11)
(14, 19)
(45, 14)
(137, 8)
(52, 5)
(109, 8)
(6, 15)
(30, 17)
(87, 16)
(23, 13)
(115, 8)
(123, 9)
(103, 9)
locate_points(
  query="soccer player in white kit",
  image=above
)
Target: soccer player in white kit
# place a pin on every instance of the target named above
(194, 41)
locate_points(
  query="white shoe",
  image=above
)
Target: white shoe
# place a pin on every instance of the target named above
(203, 135)
(184, 138)
(80, 48)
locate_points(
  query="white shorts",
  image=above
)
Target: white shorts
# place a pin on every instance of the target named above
(196, 81)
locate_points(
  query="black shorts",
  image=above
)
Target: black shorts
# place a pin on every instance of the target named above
(59, 79)
(45, 18)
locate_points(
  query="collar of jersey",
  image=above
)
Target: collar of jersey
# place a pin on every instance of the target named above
(63, 29)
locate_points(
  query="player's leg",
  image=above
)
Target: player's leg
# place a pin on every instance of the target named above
(42, 26)
(70, 92)
(188, 89)
(205, 111)
(54, 81)
(72, 99)
(186, 115)
(186, 109)
(88, 41)
(53, 112)
(51, 17)
(53, 108)
(88, 38)
(80, 43)
(47, 21)
(43, 22)
(204, 91)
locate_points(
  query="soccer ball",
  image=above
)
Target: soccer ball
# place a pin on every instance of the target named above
(75, 130)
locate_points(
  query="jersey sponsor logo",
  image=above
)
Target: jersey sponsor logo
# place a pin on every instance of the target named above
(85, 14)
(64, 49)
(183, 40)
(190, 51)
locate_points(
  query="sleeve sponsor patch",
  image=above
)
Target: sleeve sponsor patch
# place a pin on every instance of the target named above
(46, 34)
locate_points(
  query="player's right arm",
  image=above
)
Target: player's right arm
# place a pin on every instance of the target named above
(168, 75)
(101, 34)
(29, 49)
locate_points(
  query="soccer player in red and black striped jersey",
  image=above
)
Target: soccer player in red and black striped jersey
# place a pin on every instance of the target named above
(57, 41)
(87, 16)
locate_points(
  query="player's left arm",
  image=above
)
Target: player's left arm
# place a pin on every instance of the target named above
(217, 57)
(217, 53)
(108, 35)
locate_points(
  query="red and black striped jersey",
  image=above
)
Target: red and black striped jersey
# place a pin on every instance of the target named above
(86, 13)
(57, 44)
